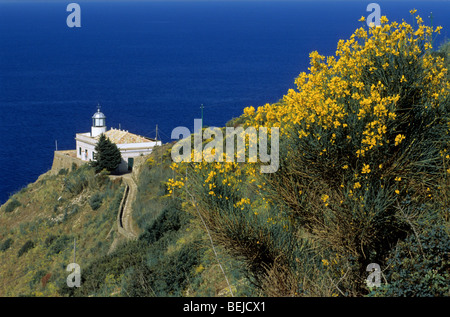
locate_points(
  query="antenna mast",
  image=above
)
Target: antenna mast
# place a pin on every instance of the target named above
(74, 250)
(201, 107)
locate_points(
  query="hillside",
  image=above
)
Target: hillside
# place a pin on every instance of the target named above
(40, 224)
(363, 180)
(171, 257)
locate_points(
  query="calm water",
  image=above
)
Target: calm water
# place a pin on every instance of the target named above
(154, 63)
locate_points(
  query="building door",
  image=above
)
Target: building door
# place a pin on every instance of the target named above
(130, 163)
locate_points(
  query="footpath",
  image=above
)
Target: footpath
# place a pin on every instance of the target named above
(125, 226)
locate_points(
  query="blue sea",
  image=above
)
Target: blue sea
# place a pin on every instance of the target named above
(151, 63)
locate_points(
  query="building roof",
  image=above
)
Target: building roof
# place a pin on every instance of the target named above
(124, 137)
(98, 115)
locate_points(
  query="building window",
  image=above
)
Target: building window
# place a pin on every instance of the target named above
(80, 151)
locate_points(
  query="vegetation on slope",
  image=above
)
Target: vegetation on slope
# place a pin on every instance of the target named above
(171, 257)
(37, 237)
(363, 178)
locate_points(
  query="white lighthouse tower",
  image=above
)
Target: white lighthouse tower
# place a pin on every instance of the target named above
(98, 123)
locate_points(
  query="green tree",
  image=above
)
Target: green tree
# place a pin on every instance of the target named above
(107, 155)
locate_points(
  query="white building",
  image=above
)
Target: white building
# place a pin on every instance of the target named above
(129, 144)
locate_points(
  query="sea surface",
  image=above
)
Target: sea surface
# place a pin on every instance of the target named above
(151, 63)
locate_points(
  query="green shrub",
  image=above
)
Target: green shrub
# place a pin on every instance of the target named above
(13, 204)
(56, 245)
(63, 171)
(419, 266)
(103, 178)
(96, 201)
(5, 245)
(171, 219)
(25, 248)
(117, 199)
(76, 181)
(171, 273)
(73, 209)
(49, 240)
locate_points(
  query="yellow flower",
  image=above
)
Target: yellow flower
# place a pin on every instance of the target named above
(249, 111)
(325, 199)
(325, 262)
(357, 185)
(419, 20)
(333, 92)
(398, 178)
(397, 191)
(365, 169)
(399, 138)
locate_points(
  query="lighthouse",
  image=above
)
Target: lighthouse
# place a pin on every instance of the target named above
(130, 145)
(98, 123)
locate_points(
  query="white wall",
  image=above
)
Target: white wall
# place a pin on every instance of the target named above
(85, 147)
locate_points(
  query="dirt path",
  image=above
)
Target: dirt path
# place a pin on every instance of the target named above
(124, 215)
(125, 220)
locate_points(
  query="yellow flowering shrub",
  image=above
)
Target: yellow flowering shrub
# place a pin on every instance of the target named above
(364, 132)
(369, 77)
(355, 109)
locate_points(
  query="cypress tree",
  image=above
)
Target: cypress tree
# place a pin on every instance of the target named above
(107, 155)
